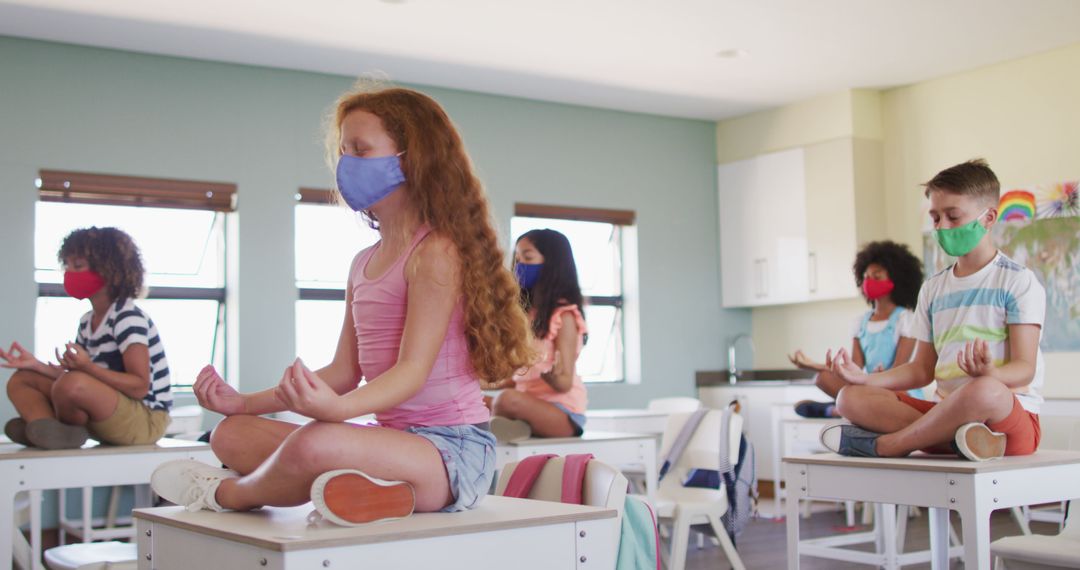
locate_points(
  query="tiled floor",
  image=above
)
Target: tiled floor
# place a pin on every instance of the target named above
(763, 544)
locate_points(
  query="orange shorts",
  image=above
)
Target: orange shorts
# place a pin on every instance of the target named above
(1021, 427)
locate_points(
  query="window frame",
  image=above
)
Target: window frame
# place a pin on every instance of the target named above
(137, 192)
(624, 220)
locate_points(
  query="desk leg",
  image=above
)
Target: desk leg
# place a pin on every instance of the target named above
(35, 529)
(939, 539)
(976, 527)
(888, 535)
(7, 521)
(792, 504)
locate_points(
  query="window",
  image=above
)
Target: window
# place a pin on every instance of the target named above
(179, 227)
(604, 244)
(326, 240)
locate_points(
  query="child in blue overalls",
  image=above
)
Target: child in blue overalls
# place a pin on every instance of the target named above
(889, 277)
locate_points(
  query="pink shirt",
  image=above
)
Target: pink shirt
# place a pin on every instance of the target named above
(451, 394)
(531, 383)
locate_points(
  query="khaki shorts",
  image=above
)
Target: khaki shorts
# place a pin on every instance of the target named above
(131, 424)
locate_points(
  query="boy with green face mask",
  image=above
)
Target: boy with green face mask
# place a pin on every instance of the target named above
(978, 324)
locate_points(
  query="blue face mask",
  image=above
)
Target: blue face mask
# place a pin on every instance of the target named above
(528, 273)
(364, 181)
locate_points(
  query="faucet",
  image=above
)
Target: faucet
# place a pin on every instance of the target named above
(733, 371)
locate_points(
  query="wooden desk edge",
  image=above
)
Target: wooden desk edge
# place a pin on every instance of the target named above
(1053, 458)
(173, 446)
(587, 437)
(298, 545)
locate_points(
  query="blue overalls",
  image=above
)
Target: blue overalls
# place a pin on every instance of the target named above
(879, 349)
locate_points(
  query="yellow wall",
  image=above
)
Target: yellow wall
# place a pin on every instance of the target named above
(1023, 116)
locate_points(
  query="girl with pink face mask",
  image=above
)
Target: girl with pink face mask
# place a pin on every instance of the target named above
(889, 277)
(112, 383)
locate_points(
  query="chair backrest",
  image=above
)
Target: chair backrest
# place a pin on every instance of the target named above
(702, 451)
(604, 486)
(674, 405)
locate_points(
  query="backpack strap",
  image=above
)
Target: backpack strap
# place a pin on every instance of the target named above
(525, 475)
(681, 440)
(573, 477)
(725, 438)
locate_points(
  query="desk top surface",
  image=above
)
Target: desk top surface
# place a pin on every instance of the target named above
(586, 438)
(943, 463)
(285, 529)
(625, 413)
(13, 451)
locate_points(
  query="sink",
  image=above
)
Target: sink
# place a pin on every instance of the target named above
(754, 376)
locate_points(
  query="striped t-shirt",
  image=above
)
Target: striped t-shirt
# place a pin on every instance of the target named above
(953, 311)
(125, 325)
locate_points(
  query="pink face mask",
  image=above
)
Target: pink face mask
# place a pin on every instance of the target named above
(82, 284)
(875, 289)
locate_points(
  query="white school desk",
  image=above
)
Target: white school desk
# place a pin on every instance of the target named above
(626, 420)
(941, 483)
(499, 533)
(615, 449)
(34, 470)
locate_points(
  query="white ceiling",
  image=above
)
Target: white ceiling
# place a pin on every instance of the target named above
(652, 56)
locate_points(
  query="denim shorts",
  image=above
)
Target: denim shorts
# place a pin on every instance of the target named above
(468, 451)
(575, 418)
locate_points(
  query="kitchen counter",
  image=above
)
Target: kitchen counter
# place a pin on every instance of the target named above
(755, 378)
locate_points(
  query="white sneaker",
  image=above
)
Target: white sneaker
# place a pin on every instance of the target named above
(977, 442)
(190, 484)
(348, 497)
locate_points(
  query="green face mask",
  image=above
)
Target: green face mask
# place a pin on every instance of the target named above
(959, 241)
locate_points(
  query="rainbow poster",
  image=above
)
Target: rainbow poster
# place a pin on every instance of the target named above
(1017, 206)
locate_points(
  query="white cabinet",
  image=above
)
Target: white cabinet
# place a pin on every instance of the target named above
(788, 223)
(763, 247)
(758, 400)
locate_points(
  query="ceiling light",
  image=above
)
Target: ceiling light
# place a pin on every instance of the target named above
(732, 53)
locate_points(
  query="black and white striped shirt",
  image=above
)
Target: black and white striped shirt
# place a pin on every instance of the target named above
(125, 325)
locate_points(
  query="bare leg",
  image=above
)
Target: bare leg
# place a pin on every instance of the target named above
(285, 478)
(545, 419)
(983, 400)
(79, 398)
(245, 442)
(29, 392)
(830, 383)
(875, 409)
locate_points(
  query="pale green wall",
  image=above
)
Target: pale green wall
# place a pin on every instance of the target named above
(78, 108)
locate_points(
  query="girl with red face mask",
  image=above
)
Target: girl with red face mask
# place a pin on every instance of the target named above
(889, 277)
(112, 382)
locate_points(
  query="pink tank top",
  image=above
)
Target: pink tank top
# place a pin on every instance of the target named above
(531, 381)
(451, 394)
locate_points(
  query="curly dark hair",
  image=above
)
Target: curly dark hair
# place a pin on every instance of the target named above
(905, 270)
(110, 253)
(558, 283)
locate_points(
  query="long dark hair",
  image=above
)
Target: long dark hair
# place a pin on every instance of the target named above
(558, 282)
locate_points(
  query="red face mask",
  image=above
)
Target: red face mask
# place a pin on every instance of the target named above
(875, 289)
(82, 284)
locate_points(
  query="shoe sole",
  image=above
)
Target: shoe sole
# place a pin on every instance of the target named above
(822, 437)
(15, 430)
(506, 430)
(976, 442)
(53, 434)
(348, 497)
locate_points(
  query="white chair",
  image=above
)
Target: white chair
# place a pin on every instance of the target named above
(1040, 551)
(680, 507)
(93, 556)
(674, 405)
(604, 486)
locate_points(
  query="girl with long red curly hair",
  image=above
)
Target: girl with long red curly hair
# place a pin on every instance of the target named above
(431, 313)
